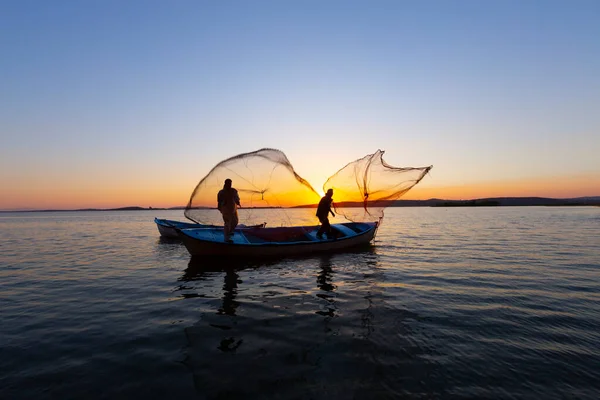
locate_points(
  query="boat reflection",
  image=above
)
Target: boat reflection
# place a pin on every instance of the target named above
(219, 263)
(282, 323)
(168, 240)
(199, 265)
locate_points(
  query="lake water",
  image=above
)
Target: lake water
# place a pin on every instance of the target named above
(447, 303)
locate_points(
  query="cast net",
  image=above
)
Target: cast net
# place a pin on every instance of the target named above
(365, 187)
(269, 188)
(271, 191)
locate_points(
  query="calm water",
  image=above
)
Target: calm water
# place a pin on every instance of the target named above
(448, 303)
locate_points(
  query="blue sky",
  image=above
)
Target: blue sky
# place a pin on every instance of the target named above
(153, 93)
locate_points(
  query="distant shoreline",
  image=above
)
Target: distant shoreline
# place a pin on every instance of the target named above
(484, 202)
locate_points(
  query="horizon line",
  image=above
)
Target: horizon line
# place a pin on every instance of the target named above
(355, 204)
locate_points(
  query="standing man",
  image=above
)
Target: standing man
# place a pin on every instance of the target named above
(228, 202)
(323, 211)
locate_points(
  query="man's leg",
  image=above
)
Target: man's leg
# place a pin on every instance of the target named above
(327, 227)
(234, 222)
(323, 228)
(226, 226)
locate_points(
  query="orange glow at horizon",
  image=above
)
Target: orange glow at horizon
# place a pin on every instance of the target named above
(63, 196)
(276, 195)
(553, 187)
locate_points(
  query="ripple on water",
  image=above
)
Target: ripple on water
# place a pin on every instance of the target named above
(449, 303)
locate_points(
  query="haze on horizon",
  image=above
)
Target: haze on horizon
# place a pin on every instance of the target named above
(111, 104)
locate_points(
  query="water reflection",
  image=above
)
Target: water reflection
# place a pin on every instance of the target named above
(200, 264)
(325, 283)
(199, 269)
(324, 278)
(279, 324)
(169, 240)
(231, 281)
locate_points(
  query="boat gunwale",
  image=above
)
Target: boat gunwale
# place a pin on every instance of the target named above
(182, 234)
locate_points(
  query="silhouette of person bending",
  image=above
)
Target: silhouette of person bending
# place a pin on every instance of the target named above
(323, 210)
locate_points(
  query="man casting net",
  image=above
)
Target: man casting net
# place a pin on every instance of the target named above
(267, 187)
(363, 188)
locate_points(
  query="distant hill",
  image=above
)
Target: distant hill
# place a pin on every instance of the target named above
(520, 201)
(132, 208)
(498, 202)
(483, 202)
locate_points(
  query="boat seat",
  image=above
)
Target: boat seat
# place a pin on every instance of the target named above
(280, 235)
(358, 227)
(346, 231)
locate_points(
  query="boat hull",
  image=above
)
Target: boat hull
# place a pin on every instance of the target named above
(167, 231)
(168, 228)
(199, 247)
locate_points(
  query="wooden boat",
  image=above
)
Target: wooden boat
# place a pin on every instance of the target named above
(281, 241)
(168, 228)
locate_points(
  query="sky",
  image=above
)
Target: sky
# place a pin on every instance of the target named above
(130, 103)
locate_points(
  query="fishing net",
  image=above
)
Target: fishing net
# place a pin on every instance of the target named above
(271, 191)
(365, 187)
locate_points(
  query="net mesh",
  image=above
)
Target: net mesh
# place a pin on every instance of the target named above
(365, 187)
(271, 191)
(264, 179)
